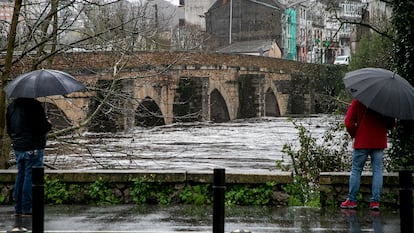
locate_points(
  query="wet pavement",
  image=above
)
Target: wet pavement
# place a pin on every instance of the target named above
(185, 218)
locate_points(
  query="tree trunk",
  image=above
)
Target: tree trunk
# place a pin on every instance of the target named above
(4, 140)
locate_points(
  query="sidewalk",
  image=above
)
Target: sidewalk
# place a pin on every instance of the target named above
(165, 219)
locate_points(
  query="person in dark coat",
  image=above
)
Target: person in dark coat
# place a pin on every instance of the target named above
(369, 130)
(27, 127)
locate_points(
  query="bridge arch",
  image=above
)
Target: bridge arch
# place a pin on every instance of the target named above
(226, 93)
(273, 99)
(64, 112)
(56, 116)
(146, 95)
(218, 107)
(148, 113)
(271, 105)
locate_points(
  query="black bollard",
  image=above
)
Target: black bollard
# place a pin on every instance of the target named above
(406, 201)
(38, 191)
(219, 187)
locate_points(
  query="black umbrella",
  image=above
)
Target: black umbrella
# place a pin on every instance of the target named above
(41, 83)
(382, 91)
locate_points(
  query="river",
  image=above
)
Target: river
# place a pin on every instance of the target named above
(253, 145)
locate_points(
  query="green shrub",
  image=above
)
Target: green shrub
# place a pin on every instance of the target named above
(57, 192)
(145, 191)
(164, 196)
(139, 191)
(331, 153)
(301, 193)
(250, 194)
(196, 195)
(101, 193)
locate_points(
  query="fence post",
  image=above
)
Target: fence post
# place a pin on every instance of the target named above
(406, 201)
(219, 187)
(38, 199)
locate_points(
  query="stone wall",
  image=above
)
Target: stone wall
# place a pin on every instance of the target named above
(333, 185)
(122, 183)
(334, 189)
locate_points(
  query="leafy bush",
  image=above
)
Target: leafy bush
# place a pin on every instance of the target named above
(139, 191)
(301, 193)
(332, 153)
(101, 193)
(57, 192)
(402, 150)
(248, 195)
(197, 195)
(142, 191)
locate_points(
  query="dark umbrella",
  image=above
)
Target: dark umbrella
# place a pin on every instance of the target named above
(382, 91)
(41, 83)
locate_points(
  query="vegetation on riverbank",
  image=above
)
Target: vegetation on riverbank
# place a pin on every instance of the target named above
(146, 191)
(313, 156)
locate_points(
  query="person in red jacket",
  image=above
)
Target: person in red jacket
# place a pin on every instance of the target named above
(369, 130)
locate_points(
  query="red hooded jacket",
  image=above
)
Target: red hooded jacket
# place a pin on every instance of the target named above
(367, 127)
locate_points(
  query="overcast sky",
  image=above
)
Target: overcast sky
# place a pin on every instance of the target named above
(175, 2)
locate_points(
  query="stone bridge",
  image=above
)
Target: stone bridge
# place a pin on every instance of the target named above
(155, 88)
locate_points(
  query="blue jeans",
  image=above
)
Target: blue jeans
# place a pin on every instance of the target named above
(23, 187)
(359, 157)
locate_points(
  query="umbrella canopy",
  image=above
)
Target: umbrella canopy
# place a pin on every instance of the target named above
(41, 83)
(382, 91)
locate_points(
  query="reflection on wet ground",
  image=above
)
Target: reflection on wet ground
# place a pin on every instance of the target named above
(183, 218)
